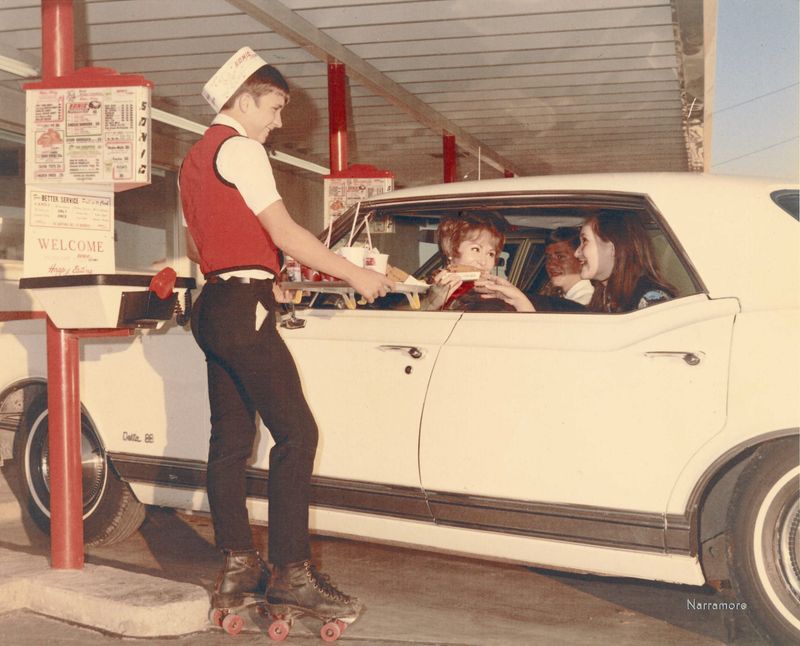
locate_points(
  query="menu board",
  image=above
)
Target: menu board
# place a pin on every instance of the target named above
(89, 135)
(343, 192)
(68, 232)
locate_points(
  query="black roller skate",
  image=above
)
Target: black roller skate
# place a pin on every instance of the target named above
(298, 591)
(239, 589)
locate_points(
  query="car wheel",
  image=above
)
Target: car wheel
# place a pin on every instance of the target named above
(111, 513)
(764, 540)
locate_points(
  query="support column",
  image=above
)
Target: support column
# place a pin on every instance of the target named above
(449, 157)
(337, 117)
(64, 438)
(63, 398)
(58, 47)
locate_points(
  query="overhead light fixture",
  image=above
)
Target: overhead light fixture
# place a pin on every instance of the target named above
(17, 67)
(300, 163)
(177, 122)
(198, 128)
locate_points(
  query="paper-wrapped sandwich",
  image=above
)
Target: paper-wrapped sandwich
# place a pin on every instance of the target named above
(465, 272)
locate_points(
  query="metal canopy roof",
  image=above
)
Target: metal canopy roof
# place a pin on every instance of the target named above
(532, 86)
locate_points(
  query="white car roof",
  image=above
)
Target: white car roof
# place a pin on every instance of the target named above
(742, 244)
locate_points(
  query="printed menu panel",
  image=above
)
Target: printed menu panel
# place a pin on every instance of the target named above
(69, 231)
(343, 192)
(88, 136)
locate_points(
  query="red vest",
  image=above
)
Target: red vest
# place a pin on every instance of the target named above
(227, 233)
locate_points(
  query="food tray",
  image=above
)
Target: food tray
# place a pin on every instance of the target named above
(412, 291)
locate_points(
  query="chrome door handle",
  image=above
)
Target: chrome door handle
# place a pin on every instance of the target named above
(691, 358)
(413, 351)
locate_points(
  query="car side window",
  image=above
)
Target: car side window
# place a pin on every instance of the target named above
(670, 265)
(408, 234)
(12, 196)
(144, 223)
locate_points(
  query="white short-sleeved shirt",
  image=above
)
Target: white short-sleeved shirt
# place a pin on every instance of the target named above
(581, 292)
(244, 162)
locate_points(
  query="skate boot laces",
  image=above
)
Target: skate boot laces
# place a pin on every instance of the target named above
(322, 583)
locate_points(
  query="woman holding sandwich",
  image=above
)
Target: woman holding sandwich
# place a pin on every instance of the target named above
(471, 242)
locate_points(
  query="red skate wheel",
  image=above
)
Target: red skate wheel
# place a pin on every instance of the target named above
(216, 616)
(342, 625)
(330, 632)
(232, 624)
(278, 630)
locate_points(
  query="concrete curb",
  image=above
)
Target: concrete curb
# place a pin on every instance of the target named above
(109, 599)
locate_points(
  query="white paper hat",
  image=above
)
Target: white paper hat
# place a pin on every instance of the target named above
(230, 76)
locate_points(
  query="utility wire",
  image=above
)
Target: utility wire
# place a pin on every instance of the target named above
(755, 98)
(753, 152)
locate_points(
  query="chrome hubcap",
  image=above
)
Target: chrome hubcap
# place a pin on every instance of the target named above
(788, 535)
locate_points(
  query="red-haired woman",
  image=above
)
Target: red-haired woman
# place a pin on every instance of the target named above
(472, 243)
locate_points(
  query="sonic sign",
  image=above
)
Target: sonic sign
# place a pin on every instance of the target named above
(87, 137)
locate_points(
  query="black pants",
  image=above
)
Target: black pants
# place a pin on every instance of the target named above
(252, 371)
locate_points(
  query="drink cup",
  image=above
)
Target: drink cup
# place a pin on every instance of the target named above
(294, 271)
(376, 261)
(354, 255)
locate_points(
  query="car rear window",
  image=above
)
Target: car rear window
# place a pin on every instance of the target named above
(788, 200)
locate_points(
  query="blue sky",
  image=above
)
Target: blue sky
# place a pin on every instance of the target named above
(757, 98)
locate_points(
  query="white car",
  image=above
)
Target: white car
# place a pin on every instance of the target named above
(660, 443)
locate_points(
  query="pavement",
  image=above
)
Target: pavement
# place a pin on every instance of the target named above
(152, 589)
(108, 599)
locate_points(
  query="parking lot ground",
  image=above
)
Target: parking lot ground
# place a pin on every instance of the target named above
(412, 597)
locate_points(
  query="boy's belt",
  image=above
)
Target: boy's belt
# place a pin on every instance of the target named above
(235, 279)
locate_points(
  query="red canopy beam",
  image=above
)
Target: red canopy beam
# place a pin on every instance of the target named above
(449, 157)
(337, 117)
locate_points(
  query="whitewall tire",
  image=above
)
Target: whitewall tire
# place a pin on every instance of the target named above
(764, 540)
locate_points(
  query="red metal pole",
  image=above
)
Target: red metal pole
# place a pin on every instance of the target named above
(64, 431)
(63, 398)
(58, 48)
(337, 116)
(449, 157)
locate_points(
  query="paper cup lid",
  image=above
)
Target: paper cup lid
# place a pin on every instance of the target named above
(230, 77)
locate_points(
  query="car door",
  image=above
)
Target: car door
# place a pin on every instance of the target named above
(599, 410)
(365, 374)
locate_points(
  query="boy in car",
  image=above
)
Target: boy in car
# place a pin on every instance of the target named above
(563, 267)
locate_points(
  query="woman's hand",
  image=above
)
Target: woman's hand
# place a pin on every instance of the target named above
(497, 287)
(448, 280)
(443, 285)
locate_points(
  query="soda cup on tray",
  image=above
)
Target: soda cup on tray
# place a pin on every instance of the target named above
(293, 270)
(355, 255)
(376, 261)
